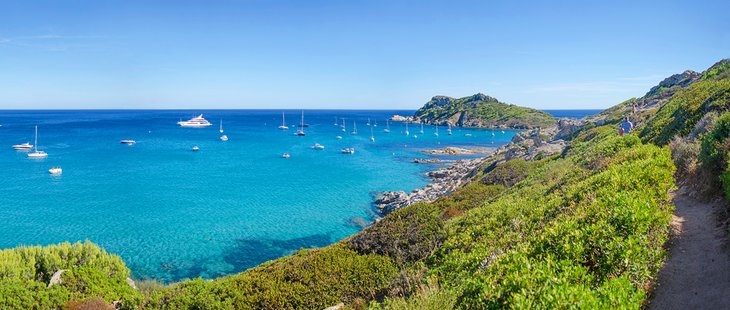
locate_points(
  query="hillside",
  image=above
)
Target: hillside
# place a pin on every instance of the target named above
(481, 111)
(582, 227)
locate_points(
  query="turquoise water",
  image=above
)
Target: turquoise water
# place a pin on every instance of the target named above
(172, 213)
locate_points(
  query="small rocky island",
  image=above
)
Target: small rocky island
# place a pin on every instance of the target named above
(478, 111)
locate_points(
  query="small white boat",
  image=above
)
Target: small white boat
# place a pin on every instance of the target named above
(23, 147)
(449, 131)
(348, 150)
(224, 138)
(339, 137)
(286, 155)
(196, 148)
(128, 142)
(368, 124)
(55, 171)
(283, 122)
(407, 133)
(300, 131)
(37, 154)
(195, 122)
(221, 127)
(415, 136)
(372, 137)
(317, 146)
(502, 131)
(467, 135)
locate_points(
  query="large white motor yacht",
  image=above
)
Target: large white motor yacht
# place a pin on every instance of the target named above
(195, 122)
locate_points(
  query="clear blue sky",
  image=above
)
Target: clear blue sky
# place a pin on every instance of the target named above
(348, 54)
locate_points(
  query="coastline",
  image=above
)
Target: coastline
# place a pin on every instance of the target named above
(528, 144)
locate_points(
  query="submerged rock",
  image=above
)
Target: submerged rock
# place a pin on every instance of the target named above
(426, 160)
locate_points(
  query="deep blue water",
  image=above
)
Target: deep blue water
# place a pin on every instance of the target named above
(572, 113)
(172, 213)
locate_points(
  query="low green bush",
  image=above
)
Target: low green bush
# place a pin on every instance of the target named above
(309, 279)
(90, 272)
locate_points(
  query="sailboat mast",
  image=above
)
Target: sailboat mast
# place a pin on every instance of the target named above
(35, 145)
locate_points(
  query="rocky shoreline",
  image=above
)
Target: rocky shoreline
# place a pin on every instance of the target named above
(528, 145)
(444, 182)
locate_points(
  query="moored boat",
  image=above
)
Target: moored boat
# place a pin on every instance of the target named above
(195, 122)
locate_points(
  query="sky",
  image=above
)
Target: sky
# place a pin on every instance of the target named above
(372, 54)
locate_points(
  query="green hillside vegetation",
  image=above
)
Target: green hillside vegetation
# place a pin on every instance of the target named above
(481, 111)
(582, 229)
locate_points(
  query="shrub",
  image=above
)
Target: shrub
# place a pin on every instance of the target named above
(508, 173)
(90, 273)
(406, 235)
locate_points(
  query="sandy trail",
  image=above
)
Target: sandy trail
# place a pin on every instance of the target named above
(697, 273)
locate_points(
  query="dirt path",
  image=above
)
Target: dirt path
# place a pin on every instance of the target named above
(697, 273)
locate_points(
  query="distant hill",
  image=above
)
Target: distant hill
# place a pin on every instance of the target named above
(481, 111)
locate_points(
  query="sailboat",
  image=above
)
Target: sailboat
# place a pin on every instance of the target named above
(449, 131)
(300, 131)
(368, 121)
(354, 128)
(421, 132)
(437, 131)
(223, 137)
(376, 123)
(344, 127)
(283, 122)
(36, 153)
(336, 123)
(372, 137)
(387, 126)
(407, 133)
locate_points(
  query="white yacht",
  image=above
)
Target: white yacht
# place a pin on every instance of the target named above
(286, 155)
(348, 150)
(224, 138)
(283, 122)
(36, 153)
(55, 171)
(128, 142)
(196, 148)
(317, 146)
(195, 122)
(23, 147)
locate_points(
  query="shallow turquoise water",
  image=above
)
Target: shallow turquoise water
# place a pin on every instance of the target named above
(171, 213)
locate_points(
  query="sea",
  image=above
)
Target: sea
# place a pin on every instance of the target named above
(173, 213)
